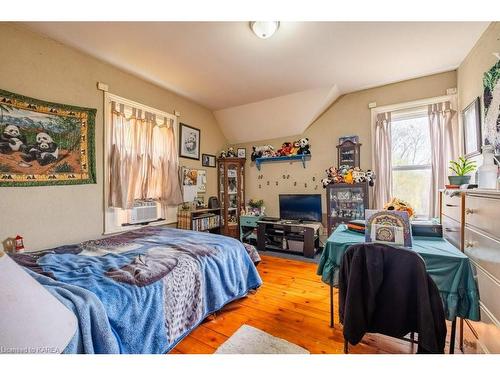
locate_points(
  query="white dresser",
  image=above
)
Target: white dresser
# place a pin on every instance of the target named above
(471, 221)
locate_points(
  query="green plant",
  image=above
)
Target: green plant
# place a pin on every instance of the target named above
(462, 166)
(256, 204)
(64, 168)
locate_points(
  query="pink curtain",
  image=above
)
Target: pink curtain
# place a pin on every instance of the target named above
(143, 160)
(441, 125)
(382, 163)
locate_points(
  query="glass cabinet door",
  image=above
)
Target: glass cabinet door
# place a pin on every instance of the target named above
(232, 192)
(222, 201)
(347, 203)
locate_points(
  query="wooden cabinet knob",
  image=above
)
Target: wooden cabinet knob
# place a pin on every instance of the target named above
(469, 211)
(469, 244)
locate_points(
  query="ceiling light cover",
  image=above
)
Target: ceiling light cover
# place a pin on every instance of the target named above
(264, 29)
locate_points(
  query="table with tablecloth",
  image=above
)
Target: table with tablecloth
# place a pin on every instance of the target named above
(448, 267)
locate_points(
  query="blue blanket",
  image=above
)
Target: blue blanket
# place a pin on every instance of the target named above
(143, 291)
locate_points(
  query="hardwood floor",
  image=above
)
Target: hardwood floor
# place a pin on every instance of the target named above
(292, 304)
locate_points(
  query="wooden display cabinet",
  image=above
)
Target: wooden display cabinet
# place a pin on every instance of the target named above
(346, 202)
(231, 185)
(348, 153)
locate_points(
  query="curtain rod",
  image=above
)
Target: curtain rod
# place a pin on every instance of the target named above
(137, 105)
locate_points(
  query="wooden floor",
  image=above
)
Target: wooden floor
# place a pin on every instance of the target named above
(292, 304)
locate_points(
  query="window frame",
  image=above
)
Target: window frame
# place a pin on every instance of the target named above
(112, 215)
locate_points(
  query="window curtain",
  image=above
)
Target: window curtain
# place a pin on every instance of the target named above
(442, 123)
(143, 160)
(382, 163)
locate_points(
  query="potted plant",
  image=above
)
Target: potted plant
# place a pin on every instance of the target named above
(462, 168)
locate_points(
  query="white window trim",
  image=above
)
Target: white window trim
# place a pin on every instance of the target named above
(402, 106)
(108, 98)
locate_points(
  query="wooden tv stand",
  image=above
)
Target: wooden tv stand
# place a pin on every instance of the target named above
(288, 236)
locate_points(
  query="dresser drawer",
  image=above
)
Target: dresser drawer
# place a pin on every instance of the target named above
(452, 206)
(483, 213)
(487, 332)
(452, 231)
(483, 250)
(249, 221)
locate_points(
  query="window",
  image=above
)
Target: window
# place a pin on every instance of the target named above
(141, 165)
(411, 159)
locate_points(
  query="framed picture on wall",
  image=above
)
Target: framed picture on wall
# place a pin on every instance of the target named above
(471, 120)
(208, 160)
(189, 142)
(242, 153)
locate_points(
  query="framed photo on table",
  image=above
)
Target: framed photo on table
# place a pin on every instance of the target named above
(471, 120)
(189, 142)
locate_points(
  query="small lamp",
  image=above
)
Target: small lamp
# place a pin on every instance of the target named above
(32, 320)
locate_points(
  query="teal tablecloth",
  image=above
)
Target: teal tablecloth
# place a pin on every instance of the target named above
(449, 268)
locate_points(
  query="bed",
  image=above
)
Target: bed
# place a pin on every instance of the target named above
(144, 290)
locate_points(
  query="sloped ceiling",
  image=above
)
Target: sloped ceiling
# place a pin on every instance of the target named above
(260, 89)
(276, 117)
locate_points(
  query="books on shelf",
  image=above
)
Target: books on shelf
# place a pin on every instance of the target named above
(206, 222)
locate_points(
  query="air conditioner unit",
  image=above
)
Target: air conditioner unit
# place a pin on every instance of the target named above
(144, 211)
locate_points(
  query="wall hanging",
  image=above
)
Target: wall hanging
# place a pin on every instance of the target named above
(44, 143)
(189, 142)
(491, 98)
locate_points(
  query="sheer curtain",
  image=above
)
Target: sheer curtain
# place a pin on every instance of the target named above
(441, 126)
(382, 163)
(143, 160)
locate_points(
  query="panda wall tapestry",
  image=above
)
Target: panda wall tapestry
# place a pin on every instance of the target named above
(43, 143)
(491, 98)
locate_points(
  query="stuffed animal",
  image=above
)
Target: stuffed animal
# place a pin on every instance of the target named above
(262, 152)
(304, 147)
(223, 154)
(370, 177)
(348, 177)
(295, 148)
(231, 153)
(285, 150)
(358, 175)
(396, 204)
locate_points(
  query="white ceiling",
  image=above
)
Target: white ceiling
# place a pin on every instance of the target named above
(223, 64)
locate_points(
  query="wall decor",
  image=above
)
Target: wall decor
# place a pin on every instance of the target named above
(242, 153)
(491, 99)
(189, 142)
(471, 119)
(194, 177)
(208, 160)
(44, 143)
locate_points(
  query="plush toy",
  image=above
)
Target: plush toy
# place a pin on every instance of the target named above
(262, 152)
(231, 153)
(304, 147)
(285, 150)
(396, 204)
(295, 148)
(358, 175)
(348, 177)
(370, 177)
(223, 154)
(255, 153)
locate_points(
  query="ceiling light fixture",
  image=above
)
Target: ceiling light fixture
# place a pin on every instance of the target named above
(264, 29)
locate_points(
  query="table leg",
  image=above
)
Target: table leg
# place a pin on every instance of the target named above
(461, 339)
(331, 301)
(452, 335)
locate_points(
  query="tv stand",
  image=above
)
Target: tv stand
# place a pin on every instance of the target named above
(288, 235)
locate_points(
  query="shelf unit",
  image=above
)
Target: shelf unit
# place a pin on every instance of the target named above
(346, 202)
(302, 158)
(231, 186)
(201, 220)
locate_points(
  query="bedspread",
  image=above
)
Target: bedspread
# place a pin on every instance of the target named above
(144, 290)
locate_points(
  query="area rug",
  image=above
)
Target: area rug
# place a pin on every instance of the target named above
(250, 340)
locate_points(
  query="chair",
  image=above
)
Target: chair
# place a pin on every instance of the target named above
(387, 290)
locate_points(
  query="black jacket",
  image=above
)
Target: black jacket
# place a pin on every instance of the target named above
(387, 290)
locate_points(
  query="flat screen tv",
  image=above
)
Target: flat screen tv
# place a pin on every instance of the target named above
(303, 207)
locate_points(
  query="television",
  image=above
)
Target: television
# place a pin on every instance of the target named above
(302, 207)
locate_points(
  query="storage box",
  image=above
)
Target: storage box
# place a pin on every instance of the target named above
(296, 245)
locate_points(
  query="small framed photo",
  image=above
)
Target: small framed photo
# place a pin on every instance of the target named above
(471, 119)
(242, 153)
(189, 142)
(208, 160)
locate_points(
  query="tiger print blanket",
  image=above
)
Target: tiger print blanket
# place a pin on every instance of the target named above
(155, 284)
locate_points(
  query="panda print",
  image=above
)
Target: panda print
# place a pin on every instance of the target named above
(45, 151)
(12, 140)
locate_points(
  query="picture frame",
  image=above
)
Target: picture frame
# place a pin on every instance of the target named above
(471, 121)
(189, 142)
(208, 160)
(242, 153)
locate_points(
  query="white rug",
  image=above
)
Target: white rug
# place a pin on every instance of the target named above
(250, 340)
